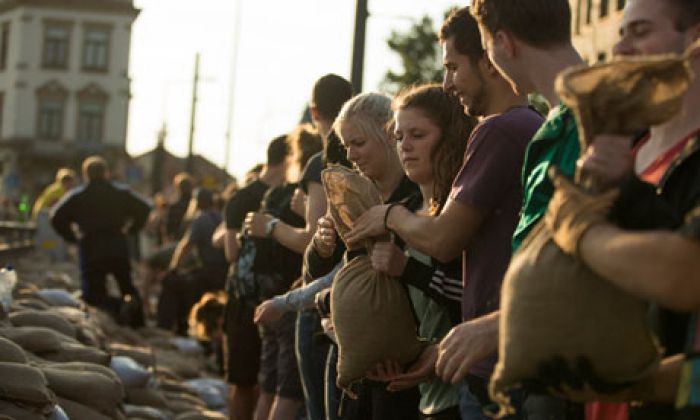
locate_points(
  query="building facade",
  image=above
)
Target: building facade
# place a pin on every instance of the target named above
(64, 86)
(595, 26)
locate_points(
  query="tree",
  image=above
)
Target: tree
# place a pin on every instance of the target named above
(419, 51)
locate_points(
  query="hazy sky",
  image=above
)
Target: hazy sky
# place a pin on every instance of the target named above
(283, 47)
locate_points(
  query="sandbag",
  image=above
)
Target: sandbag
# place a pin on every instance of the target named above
(33, 339)
(176, 386)
(142, 355)
(16, 411)
(371, 311)
(564, 329)
(146, 396)
(84, 367)
(131, 373)
(11, 352)
(77, 411)
(91, 389)
(76, 352)
(30, 303)
(144, 412)
(181, 365)
(29, 318)
(58, 297)
(201, 415)
(212, 391)
(24, 384)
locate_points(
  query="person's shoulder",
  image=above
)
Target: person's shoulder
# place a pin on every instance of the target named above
(253, 191)
(560, 120)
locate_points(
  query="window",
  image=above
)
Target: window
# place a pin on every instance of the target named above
(92, 101)
(51, 104)
(51, 118)
(620, 4)
(56, 46)
(604, 8)
(96, 48)
(601, 57)
(4, 44)
(90, 121)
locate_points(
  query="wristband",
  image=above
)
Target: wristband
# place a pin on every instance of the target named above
(386, 216)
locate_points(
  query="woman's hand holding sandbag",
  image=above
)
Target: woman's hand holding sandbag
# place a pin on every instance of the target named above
(371, 224)
(572, 211)
(325, 236)
(388, 258)
(422, 370)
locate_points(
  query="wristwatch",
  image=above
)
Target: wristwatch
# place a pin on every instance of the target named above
(270, 226)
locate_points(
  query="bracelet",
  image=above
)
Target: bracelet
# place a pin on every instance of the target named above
(386, 216)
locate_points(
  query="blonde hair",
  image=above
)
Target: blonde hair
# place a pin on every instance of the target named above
(370, 112)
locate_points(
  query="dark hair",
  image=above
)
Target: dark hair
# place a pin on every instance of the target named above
(540, 23)
(687, 13)
(304, 142)
(445, 111)
(462, 27)
(205, 198)
(335, 152)
(183, 183)
(329, 94)
(206, 315)
(277, 151)
(94, 168)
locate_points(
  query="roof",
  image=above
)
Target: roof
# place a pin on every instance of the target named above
(125, 7)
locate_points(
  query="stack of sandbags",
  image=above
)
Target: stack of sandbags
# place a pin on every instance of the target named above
(88, 387)
(54, 346)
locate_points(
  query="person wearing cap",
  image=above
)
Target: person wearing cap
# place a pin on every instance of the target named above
(182, 289)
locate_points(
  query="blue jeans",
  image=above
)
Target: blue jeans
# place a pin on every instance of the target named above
(311, 356)
(469, 406)
(332, 393)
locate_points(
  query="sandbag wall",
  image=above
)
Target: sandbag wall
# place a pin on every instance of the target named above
(60, 359)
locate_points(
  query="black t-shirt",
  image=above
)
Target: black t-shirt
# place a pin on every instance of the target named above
(312, 171)
(245, 200)
(276, 203)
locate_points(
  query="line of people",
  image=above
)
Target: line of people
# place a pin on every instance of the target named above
(463, 171)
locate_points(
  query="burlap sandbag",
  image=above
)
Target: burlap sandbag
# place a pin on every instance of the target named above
(16, 411)
(150, 397)
(142, 355)
(33, 339)
(201, 415)
(75, 410)
(85, 367)
(564, 329)
(34, 318)
(76, 352)
(92, 389)
(11, 352)
(25, 384)
(371, 312)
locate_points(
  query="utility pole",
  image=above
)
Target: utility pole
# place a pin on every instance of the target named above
(358, 47)
(232, 89)
(193, 113)
(158, 161)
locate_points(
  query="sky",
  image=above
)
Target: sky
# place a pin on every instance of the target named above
(283, 47)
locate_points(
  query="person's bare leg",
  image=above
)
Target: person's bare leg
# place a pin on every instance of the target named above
(285, 409)
(242, 400)
(262, 410)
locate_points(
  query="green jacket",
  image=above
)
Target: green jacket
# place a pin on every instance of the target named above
(555, 143)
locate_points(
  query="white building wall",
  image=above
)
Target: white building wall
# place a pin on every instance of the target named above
(24, 72)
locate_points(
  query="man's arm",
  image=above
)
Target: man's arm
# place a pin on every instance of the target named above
(295, 239)
(660, 266)
(61, 219)
(231, 245)
(182, 250)
(442, 237)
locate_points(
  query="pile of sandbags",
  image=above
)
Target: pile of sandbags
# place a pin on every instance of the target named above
(62, 359)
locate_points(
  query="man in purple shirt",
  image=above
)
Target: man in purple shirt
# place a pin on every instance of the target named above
(481, 213)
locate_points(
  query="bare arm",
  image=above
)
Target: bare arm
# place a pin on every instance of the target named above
(297, 239)
(217, 239)
(231, 245)
(443, 237)
(181, 251)
(660, 266)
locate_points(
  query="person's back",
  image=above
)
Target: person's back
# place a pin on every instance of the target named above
(205, 223)
(102, 208)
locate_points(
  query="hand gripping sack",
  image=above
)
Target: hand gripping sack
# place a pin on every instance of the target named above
(564, 329)
(371, 313)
